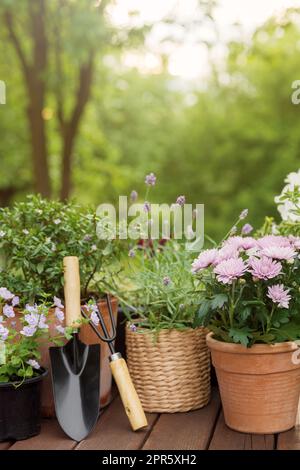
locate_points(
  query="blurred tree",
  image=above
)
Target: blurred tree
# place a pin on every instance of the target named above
(56, 43)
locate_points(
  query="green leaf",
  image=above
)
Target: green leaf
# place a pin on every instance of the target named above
(218, 301)
(241, 335)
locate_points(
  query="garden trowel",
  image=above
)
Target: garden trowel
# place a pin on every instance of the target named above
(75, 366)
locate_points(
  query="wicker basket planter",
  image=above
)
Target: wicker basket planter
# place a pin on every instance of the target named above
(171, 372)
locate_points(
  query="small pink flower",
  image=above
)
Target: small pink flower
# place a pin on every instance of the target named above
(205, 259)
(279, 295)
(264, 268)
(279, 252)
(229, 270)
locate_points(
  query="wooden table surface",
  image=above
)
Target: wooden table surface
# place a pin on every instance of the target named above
(196, 430)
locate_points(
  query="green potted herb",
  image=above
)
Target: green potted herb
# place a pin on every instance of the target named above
(167, 356)
(250, 303)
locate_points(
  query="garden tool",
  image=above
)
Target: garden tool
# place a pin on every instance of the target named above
(119, 369)
(75, 366)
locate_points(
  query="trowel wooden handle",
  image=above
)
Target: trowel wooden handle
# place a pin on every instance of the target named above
(72, 290)
(128, 393)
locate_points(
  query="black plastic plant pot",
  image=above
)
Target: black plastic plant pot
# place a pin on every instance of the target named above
(20, 409)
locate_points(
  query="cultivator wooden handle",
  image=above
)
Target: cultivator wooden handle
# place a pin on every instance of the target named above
(129, 396)
(72, 291)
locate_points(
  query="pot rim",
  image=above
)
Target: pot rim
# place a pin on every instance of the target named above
(232, 348)
(31, 380)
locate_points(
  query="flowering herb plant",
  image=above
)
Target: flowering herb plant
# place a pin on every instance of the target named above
(250, 289)
(21, 334)
(35, 235)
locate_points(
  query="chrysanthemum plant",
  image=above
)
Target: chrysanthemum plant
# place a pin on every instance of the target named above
(23, 332)
(250, 288)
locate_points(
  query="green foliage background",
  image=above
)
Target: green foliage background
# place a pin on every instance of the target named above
(230, 149)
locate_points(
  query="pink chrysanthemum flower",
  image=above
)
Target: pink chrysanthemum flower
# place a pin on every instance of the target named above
(279, 295)
(272, 240)
(230, 269)
(264, 268)
(295, 242)
(240, 243)
(279, 252)
(228, 251)
(205, 259)
(248, 243)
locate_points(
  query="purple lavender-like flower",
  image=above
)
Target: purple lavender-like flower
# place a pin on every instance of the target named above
(147, 206)
(229, 270)
(205, 259)
(279, 295)
(15, 301)
(133, 327)
(233, 231)
(166, 281)
(94, 318)
(33, 363)
(57, 302)
(180, 201)
(5, 294)
(243, 214)
(87, 238)
(279, 252)
(133, 196)
(60, 329)
(150, 179)
(246, 229)
(32, 319)
(59, 314)
(8, 311)
(264, 268)
(4, 332)
(28, 331)
(131, 253)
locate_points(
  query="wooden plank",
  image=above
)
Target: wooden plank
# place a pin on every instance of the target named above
(290, 440)
(225, 438)
(5, 445)
(185, 431)
(51, 438)
(113, 431)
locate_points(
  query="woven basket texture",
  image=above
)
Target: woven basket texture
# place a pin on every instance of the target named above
(170, 370)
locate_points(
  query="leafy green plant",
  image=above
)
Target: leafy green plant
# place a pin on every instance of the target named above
(35, 235)
(162, 293)
(250, 289)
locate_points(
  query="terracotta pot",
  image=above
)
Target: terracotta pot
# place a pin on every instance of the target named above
(259, 386)
(88, 336)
